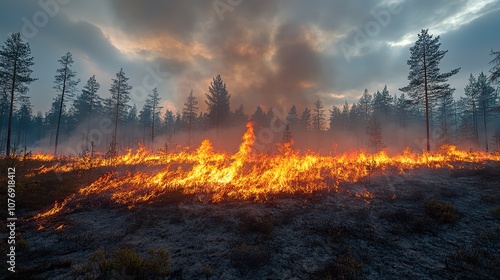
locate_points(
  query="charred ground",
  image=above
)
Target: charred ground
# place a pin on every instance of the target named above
(426, 223)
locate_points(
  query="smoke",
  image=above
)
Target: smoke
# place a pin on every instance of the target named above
(264, 57)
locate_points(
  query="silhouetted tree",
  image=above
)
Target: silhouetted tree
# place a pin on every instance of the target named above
(24, 116)
(486, 102)
(471, 97)
(495, 70)
(120, 95)
(374, 132)
(218, 103)
(153, 102)
(239, 116)
(335, 119)
(189, 114)
(15, 71)
(145, 120)
(65, 84)
(292, 117)
(259, 118)
(287, 135)
(318, 122)
(88, 103)
(169, 122)
(305, 119)
(426, 81)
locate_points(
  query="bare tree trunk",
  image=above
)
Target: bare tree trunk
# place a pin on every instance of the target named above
(60, 113)
(11, 109)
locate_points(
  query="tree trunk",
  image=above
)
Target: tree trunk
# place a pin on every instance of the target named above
(11, 109)
(113, 143)
(60, 112)
(485, 128)
(426, 103)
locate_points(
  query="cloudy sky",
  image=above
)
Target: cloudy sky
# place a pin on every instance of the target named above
(269, 52)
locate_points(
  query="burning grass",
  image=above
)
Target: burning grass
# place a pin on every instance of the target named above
(205, 175)
(248, 214)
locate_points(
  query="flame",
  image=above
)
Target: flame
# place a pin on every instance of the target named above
(217, 176)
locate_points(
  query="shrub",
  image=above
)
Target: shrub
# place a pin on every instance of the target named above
(256, 224)
(345, 266)
(126, 262)
(207, 270)
(443, 212)
(246, 257)
(495, 212)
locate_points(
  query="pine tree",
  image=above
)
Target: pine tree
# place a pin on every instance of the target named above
(15, 71)
(259, 118)
(426, 81)
(495, 70)
(305, 119)
(292, 116)
(471, 97)
(486, 102)
(403, 114)
(153, 102)
(218, 103)
(239, 116)
(365, 103)
(318, 122)
(132, 122)
(189, 114)
(335, 119)
(382, 105)
(445, 103)
(4, 109)
(120, 96)
(287, 135)
(374, 132)
(169, 121)
(24, 116)
(345, 116)
(65, 84)
(88, 103)
(145, 120)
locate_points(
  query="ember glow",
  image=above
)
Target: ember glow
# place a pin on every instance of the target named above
(246, 175)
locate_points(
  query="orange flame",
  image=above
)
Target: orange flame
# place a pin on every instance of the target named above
(247, 174)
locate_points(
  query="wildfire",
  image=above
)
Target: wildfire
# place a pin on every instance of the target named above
(217, 176)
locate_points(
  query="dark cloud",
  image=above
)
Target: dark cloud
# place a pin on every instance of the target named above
(269, 52)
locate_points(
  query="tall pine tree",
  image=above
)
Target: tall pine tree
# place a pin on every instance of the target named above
(189, 114)
(426, 81)
(15, 71)
(120, 95)
(218, 103)
(65, 84)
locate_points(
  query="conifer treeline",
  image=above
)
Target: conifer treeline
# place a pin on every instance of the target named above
(375, 121)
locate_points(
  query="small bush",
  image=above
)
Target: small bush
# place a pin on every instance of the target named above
(245, 257)
(345, 266)
(443, 212)
(256, 224)
(495, 212)
(207, 270)
(22, 244)
(490, 199)
(126, 262)
(481, 258)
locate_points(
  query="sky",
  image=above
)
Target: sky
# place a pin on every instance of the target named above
(273, 53)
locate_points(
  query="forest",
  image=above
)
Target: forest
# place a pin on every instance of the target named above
(81, 121)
